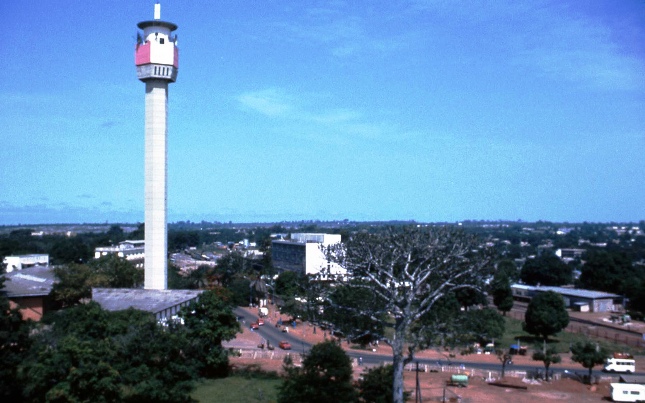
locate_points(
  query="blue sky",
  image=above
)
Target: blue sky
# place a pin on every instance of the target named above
(428, 110)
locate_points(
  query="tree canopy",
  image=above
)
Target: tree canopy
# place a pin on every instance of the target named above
(76, 280)
(325, 376)
(546, 269)
(609, 271)
(86, 354)
(588, 354)
(546, 315)
(409, 270)
(209, 321)
(502, 293)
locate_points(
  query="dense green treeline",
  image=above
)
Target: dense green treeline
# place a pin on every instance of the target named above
(86, 354)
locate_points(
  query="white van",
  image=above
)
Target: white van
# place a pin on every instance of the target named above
(620, 365)
(627, 392)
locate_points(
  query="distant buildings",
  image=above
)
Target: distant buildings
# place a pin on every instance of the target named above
(21, 261)
(574, 299)
(304, 253)
(569, 254)
(132, 251)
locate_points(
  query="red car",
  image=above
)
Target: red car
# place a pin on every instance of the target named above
(285, 345)
(260, 322)
(254, 326)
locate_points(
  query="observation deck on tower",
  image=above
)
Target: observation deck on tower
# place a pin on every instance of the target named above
(156, 55)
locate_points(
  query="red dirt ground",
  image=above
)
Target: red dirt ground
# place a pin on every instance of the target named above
(433, 384)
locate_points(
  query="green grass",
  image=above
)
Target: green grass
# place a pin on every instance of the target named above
(560, 341)
(236, 389)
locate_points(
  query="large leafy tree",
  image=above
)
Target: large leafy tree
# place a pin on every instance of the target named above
(230, 266)
(325, 376)
(588, 354)
(546, 315)
(609, 272)
(483, 325)
(74, 369)
(115, 272)
(70, 250)
(287, 285)
(75, 281)
(508, 269)
(85, 354)
(546, 269)
(209, 321)
(410, 269)
(469, 297)
(351, 313)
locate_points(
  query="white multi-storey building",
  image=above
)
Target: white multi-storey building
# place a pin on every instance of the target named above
(304, 253)
(18, 262)
(133, 251)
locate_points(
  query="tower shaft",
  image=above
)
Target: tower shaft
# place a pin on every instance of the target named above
(156, 194)
(157, 59)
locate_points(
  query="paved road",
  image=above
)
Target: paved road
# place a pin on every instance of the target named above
(275, 335)
(271, 333)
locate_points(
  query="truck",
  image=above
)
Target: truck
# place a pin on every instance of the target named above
(627, 392)
(263, 311)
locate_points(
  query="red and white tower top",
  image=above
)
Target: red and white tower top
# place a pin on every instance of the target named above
(156, 55)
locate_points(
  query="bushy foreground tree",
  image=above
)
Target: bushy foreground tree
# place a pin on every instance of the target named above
(408, 271)
(546, 315)
(325, 376)
(208, 322)
(87, 354)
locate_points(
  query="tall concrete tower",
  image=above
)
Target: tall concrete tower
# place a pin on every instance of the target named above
(157, 61)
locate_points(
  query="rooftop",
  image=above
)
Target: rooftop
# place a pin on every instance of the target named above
(574, 292)
(29, 282)
(118, 299)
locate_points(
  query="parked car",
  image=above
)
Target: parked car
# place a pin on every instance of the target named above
(285, 345)
(260, 322)
(254, 326)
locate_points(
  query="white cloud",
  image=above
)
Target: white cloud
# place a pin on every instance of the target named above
(270, 102)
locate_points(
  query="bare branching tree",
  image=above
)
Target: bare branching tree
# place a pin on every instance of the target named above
(408, 271)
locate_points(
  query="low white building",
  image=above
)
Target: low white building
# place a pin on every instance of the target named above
(574, 298)
(304, 253)
(20, 261)
(133, 251)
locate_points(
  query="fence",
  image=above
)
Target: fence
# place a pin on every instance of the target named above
(598, 330)
(256, 354)
(489, 375)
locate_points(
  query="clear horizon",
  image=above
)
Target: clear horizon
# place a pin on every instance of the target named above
(407, 110)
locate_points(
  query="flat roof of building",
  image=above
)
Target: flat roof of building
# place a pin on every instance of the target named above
(572, 292)
(29, 282)
(118, 299)
(640, 379)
